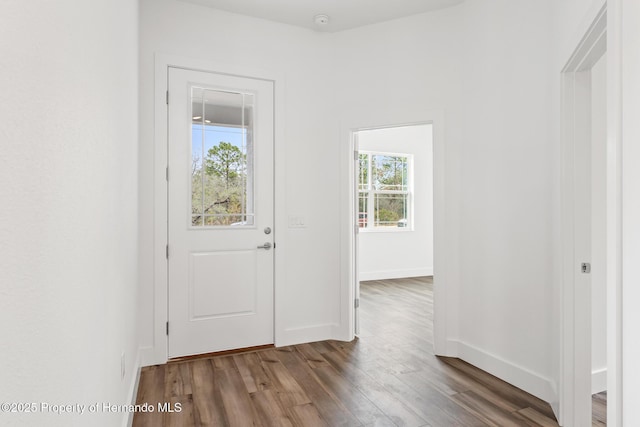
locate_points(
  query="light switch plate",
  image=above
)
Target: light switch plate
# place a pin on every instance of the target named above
(297, 221)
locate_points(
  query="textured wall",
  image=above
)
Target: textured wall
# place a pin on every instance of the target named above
(68, 196)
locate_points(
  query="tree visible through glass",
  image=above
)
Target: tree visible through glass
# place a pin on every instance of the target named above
(221, 158)
(384, 190)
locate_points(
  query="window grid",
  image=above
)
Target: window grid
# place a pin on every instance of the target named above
(384, 191)
(216, 116)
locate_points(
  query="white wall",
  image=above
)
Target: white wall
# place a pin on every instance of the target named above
(68, 222)
(402, 252)
(310, 283)
(599, 226)
(571, 19)
(486, 65)
(507, 164)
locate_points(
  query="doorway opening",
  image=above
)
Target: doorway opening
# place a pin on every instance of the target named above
(393, 204)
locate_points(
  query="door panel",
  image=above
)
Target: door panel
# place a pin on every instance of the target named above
(220, 200)
(237, 267)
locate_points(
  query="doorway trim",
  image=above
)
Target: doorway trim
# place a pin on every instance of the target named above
(575, 379)
(353, 122)
(158, 352)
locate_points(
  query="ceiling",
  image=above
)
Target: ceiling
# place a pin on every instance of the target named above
(343, 14)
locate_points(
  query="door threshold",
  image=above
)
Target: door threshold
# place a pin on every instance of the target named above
(220, 353)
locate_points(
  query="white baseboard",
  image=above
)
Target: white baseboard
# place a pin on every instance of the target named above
(518, 376)
(395, 274)
(306, 334)
(133, 389)
(598, 381)
(150, 356)
(555, 402)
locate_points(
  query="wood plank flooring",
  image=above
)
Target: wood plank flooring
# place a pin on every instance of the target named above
(387, 377)
(599, 409)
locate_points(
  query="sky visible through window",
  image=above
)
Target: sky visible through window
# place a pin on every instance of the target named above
(213, 136)
(219, 176)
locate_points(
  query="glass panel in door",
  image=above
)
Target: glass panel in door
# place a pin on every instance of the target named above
(221, 158)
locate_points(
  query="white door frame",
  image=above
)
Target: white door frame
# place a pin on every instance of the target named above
(353, 123)
(158, 353)
(575, 363)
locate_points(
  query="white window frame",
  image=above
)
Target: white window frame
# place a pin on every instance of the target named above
(370, 227)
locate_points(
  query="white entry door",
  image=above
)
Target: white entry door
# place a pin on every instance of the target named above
(220, 212)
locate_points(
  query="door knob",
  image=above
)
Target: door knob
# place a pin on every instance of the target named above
(266, 246)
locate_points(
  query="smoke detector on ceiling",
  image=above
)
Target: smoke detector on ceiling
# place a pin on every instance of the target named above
(321, 20)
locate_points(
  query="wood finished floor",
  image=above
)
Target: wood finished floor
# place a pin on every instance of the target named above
(599, 409)
(387, 377)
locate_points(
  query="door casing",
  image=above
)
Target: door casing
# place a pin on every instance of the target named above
(157, 353)
(353, 123)
(575, 356)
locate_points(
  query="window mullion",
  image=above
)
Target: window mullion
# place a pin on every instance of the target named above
(370, 210)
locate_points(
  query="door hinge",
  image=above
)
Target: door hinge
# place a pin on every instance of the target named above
(167, 99)
(356, 303)
(167, 328)
(357, 228)
(274, 245)
(166, 173)
(167, 251)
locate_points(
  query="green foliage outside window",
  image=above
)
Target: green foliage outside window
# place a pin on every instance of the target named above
(383, 184)
(219, 187)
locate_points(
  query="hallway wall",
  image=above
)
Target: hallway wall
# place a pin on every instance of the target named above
(68, 222)
(485, 67)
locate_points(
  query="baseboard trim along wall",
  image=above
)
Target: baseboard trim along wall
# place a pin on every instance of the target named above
(395, 274)
(149, 357)
(518, 376)
(598, 381)
(133, 389)
(293, 336)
